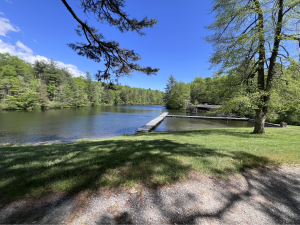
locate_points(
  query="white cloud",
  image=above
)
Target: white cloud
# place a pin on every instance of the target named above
(8, 1)
(71, 68)
(1, 13)
(26, 54)
(23, 47)
(6, 26)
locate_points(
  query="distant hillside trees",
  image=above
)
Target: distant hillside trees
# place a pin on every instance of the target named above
(45, 85)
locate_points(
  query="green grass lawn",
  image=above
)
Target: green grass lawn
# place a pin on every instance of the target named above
(152, 159)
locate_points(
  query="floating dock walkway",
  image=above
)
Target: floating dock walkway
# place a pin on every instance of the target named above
(153, 123)
(225, 118)
(211, 118)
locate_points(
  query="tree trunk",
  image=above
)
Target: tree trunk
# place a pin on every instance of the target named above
(260, 119)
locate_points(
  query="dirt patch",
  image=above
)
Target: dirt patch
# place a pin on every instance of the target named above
(81, 202)
(260, 196)
(53, 208)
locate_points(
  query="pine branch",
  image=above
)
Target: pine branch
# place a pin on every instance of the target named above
(118, 61)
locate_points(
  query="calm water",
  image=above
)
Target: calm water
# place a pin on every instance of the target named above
(92, 122)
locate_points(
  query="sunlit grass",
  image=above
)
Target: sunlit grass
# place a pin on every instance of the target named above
(154, 159)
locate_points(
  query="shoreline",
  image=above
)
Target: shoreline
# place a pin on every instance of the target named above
(54, 142)
(67, 107)
(62, 142)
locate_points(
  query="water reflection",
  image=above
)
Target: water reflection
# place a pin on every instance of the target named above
(173, 124)
(92, 122)
(74, 123)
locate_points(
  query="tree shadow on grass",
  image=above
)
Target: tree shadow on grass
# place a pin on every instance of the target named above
(31, 172)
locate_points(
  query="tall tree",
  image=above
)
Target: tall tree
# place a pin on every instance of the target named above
(169, 91)
(119, 61)
(253, 35)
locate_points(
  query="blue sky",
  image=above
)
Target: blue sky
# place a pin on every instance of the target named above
(40, 29)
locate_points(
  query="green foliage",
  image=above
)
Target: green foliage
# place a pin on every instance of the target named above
(8, 71)
(44, 84)
(241, 99)
(284, 103)
(177, 94)
(10, 103)
(28, 100)
(254, 38)
(206, 90)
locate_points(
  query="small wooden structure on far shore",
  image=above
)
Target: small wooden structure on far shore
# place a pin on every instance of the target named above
(201, 107)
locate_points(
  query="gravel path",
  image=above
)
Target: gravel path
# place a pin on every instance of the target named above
(261, 196)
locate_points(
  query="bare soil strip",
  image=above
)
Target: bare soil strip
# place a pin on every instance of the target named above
(259, 196)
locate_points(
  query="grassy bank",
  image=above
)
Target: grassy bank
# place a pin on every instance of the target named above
(152, 160)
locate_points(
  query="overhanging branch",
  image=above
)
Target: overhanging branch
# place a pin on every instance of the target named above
(118, 61)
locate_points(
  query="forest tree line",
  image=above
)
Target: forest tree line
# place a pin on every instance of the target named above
(238, 97)
(45, 85)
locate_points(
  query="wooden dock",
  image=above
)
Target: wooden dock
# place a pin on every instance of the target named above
(225, 118)
(211, 118)
(153, 123)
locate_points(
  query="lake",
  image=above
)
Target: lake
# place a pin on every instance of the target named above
(71, 124)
